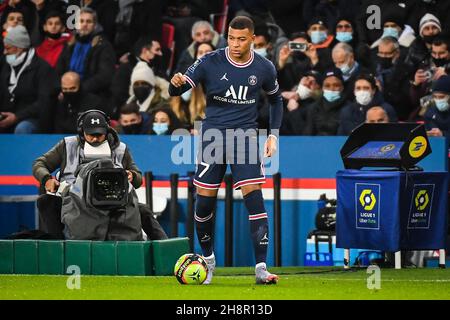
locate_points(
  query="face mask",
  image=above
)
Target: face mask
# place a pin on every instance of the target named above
(160, 128)
(390, 32)
(331, 96)
(53, 36)
(345, 69)
(132, 128)
(155, 62)
(71, 97)
(262, 52)
(385, 63)
(429, 39)
(142, 92)
(440, 62)
(14, 60)
(442, 104)
(318, 36)
(304, 92)
(363, 97)
(97, 144)
(344, 36)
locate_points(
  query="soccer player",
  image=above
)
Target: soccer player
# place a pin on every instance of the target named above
(232, 78)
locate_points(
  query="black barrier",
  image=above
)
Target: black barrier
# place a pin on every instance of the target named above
(228, 220)
(277, 217)
(190, 211)
(174, 205)
(149, 189)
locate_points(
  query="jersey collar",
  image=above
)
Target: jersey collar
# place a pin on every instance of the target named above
(236, 64)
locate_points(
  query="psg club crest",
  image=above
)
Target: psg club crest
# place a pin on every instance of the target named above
(252, 80)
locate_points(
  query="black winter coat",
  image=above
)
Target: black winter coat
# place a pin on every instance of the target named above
(66, 115)
(323, 118)
(99, 65)
(33, 96)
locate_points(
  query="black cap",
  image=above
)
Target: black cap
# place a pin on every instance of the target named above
(316, 75)
(95, 123)
(335, 72)
(442, 85)
(317, 20)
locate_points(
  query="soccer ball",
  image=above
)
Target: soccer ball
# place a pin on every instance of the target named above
(191, 268)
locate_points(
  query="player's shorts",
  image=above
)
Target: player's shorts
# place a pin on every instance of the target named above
(240, 151)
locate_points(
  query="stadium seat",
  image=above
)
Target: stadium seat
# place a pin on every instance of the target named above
(219, 20)
(168, 42)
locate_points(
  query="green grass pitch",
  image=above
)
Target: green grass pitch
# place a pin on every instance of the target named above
(238, 284)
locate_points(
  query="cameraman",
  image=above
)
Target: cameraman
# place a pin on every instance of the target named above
(69, 153)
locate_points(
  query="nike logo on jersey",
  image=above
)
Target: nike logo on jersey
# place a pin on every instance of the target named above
(224, 77)
(265, 240)
(205, 238)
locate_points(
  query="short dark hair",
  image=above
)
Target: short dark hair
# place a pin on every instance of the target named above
(440, 40)
(262, 30)
(300, 34)
(143, 42)
(242, 22)
(54, 14)
(370, 78)
(130, 108)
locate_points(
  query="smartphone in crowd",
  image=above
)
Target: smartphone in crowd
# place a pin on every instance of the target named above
(298, 46)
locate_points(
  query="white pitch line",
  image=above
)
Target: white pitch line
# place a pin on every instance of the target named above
(389, 280)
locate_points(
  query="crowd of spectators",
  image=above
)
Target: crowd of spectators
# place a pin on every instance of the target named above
(340, 62)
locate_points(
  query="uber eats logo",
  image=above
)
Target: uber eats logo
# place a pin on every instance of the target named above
(421, 206)
(367, 200)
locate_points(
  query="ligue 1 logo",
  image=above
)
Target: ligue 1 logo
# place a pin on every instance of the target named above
(367, 205)
(388, 148)
(422, 200)
(421, 206)
(367, 200)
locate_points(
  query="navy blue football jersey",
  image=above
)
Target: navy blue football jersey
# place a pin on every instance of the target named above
(232, 89)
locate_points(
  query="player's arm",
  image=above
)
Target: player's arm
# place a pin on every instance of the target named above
(276, 114)
(180, 83)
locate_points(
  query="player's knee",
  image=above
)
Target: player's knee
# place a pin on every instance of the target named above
(207, 192)
(246, 190)
(204, 205)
